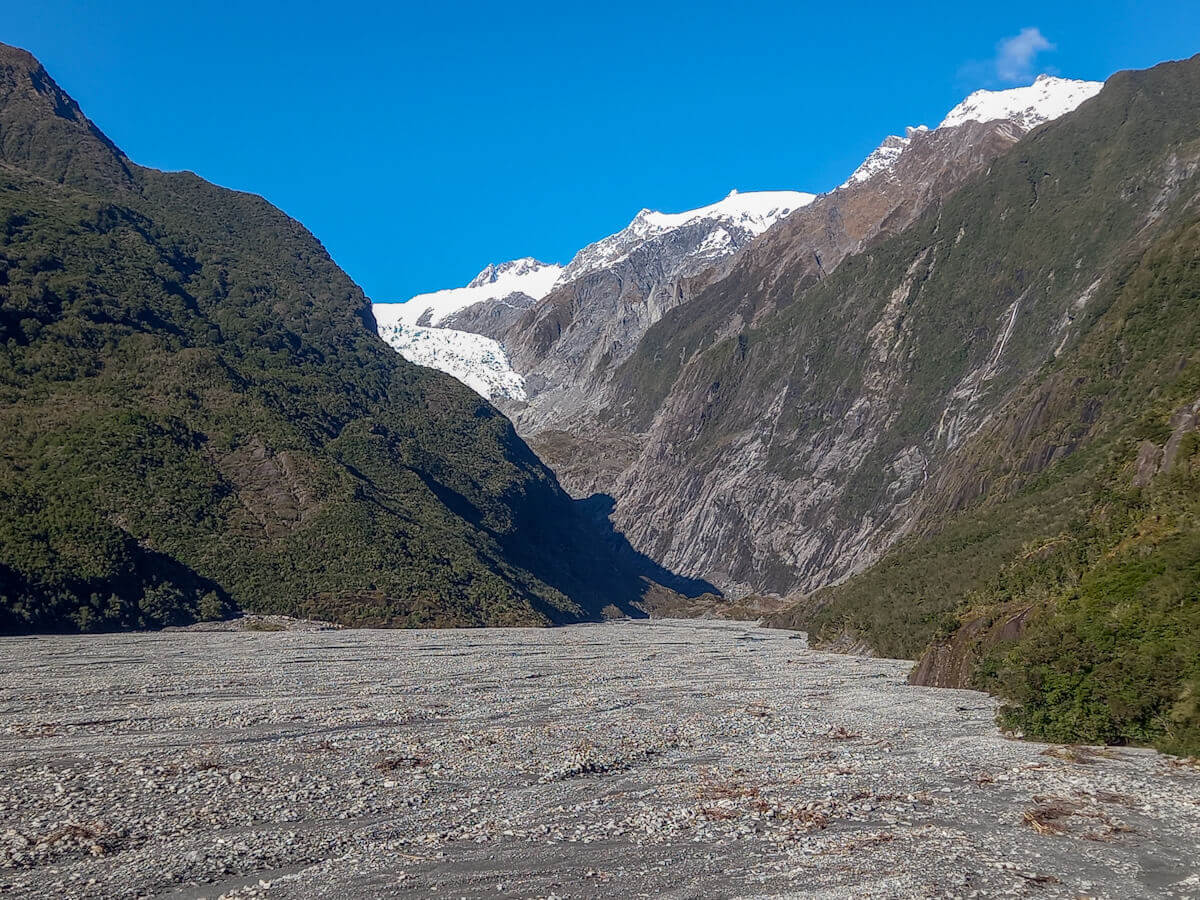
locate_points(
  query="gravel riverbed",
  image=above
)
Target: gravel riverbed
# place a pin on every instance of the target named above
(629, 759)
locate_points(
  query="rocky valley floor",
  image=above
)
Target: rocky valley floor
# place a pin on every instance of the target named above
(675, 759)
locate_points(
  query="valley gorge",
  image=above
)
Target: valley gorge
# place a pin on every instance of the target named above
(944, 412)
(835, 544)
(603, 389)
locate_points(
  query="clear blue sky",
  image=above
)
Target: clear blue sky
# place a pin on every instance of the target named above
(420, 141)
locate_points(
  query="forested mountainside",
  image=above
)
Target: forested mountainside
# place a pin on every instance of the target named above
(1053, 543)
(197, 415)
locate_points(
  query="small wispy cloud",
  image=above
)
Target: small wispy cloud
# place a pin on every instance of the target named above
(1016, 55)
(1014, 62)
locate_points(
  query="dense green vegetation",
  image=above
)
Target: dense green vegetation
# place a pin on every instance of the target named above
(196, 415)
(1095, 550)
(1111, 652)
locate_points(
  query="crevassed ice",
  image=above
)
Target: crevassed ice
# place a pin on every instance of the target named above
(477, 361)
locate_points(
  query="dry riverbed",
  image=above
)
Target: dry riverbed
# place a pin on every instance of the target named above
(674, 759)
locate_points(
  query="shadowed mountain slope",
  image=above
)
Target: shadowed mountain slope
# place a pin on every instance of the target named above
(196, 413)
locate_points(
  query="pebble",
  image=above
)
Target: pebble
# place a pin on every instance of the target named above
(646, 758)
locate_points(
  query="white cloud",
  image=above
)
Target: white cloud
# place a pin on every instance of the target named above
(1016, 55)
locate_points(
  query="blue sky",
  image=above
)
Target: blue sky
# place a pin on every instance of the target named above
(421, 141)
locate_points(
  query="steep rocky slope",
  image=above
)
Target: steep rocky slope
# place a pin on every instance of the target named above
(756, 408)
(195, 413)
(588, 417)
(1054, 557)
(569, 336)
(607, 353)
(569, 344)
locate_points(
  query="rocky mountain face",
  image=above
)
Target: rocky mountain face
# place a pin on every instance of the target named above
(568, 347)
(615, 358)
(569, 344)
(791, 417)
(706, 514)
(196, 415)
(747, 510)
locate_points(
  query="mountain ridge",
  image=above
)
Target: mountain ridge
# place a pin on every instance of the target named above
(559, 385)
(198, 416)
(653, 381)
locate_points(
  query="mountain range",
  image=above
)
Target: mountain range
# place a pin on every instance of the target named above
(948, 411)
(588, 379)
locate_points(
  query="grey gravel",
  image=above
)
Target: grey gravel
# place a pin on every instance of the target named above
(630, 759)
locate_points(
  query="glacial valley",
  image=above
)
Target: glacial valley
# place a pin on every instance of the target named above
(628, 759)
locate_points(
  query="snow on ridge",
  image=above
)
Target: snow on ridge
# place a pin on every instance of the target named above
(1046, 99)
(756, 211)
(883, 158)
(523, 268)
(753, 212)
(519, 276)
(477, 361)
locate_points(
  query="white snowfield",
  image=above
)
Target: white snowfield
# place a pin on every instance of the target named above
(1046, 99)
(525, 276)
(1043, 101)
(753, 212)
(477, 361)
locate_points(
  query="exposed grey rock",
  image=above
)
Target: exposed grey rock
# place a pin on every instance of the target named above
(674, 759)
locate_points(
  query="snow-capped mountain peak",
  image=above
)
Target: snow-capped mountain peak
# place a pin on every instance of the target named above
(525, 276)
(755, 211)
(1047, 98)
(524, 268)
(751, 213)
(1027, 107)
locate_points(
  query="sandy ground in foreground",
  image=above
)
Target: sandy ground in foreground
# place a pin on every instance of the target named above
(666, 759)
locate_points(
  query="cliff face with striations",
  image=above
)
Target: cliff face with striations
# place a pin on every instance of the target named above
(737, 393)
(768, 409)
(798, 423)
